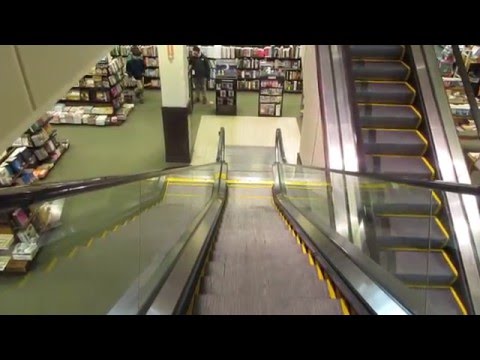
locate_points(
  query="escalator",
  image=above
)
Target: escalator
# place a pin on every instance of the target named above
(411, 227)
(231, 237)
(256, 266)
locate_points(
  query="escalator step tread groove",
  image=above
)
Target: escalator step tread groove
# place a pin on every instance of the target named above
(409, 232)
(406, 166)
(386, 142)
(256, 267)
(388, 70)
(419, 267)
(241, 304)
(394, 52)
(403, 200)
(439, 301)
(388, 116)
(384, 92)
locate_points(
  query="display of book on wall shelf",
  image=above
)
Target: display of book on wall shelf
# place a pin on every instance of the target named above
(294, 86)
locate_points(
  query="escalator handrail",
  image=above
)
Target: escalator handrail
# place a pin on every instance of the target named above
(462, 71)
(427, 184)
(279, 148)
(439, 185)
(221, 146)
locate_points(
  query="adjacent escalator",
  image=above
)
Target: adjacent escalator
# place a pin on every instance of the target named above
(412, 237)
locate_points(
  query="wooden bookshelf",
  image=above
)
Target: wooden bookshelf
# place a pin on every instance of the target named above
(248, 58)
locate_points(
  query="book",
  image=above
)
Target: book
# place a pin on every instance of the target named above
(6, 240)
(4, 260)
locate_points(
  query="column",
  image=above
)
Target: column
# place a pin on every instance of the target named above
(175, 102)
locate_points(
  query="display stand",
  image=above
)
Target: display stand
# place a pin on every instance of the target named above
(270, 99)
(226, 87)
(97, 99)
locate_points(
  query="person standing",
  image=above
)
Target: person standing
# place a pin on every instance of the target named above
(136, 69)
(201, 73)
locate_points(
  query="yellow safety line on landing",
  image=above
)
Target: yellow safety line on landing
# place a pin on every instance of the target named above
(51, 265)
(459, 301)
(344, 307)
(253, 196)
(180, 195)
(89, 243)
(442, 228)
(450, 264)
(188, 180)
(250, 183)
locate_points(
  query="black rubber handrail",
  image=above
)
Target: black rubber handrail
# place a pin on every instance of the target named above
(279, 149)
(462, 71)
(431, 185)
(221, 146)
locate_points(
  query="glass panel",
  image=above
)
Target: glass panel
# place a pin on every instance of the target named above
(407, 230)
(184, 197)
(92, 253)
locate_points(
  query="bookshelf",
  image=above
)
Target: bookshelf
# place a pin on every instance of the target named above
(97, 99)
(152, 71)
(226, 87)
(285, 57)
(23, 231)
(270, 99)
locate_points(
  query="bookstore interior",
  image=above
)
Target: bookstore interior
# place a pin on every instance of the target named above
(106, 96)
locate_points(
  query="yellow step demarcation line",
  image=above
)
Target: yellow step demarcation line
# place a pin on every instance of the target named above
(459, 301)
(321, 276)
(173, 180)
(415, 110)
(401, 56)
(419, 135)
(424, 160)
(455, 296)
(407, 85)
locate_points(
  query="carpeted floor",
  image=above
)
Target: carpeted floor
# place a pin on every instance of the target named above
(137, 145)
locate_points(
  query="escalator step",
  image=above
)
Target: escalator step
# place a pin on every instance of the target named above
(388, 116)
(410, 232)
(393, 70)
(393, 142)
(386, 52)
(396, 199)
(241, 304)
(384, 92)
(419, 267)
(270, 270)
(439, 301)
(416, 167)
(259, 284)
